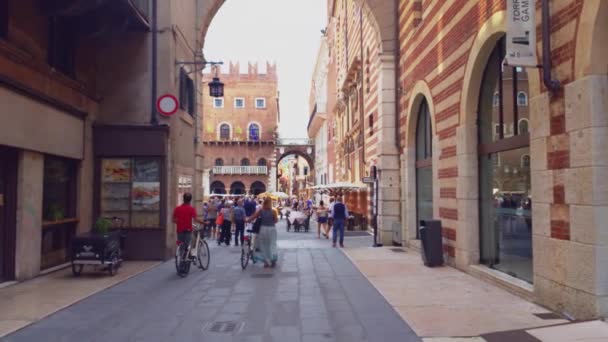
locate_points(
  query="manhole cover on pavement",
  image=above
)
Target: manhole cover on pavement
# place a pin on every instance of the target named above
(229, 327)
(262, 275)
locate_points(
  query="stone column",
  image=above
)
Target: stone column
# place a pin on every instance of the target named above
(272, 184)
(388, 155)
(570, 258)
(29, 214)
(467, 196)
(206, 181)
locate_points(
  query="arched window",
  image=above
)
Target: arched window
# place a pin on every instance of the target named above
(496, 100)
(254, 132)
(219, 162)
(262, 162)
(257, 188)
(523, 126)
(424, 165)
(224, 131)
(522, 99)
(218, 188)
(525, 161)
(237, 188)
(504, 185)
(245, 162)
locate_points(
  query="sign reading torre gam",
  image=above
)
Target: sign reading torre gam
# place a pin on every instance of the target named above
(521, 33)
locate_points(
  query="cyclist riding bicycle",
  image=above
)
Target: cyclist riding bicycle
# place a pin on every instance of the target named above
(182, 217)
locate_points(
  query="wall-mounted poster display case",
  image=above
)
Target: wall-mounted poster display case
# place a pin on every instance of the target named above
(130, 189)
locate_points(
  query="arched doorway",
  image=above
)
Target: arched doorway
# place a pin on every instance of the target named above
(257, 188)
(218, 188)
(504, 181)
(237, 188)
(424, 165)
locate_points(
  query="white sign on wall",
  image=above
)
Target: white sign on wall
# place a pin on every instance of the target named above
(521, 33)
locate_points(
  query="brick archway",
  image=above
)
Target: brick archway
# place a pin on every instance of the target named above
(383, 11)
(298, 151)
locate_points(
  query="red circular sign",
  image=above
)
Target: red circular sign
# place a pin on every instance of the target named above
(167, 105)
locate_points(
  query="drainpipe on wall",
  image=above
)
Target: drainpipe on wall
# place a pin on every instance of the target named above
(154, 24)
(196, 72)
(551, 84)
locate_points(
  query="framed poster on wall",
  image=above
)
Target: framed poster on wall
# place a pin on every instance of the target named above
(131, 189)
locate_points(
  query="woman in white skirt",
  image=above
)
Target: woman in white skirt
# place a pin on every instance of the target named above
(266, 241)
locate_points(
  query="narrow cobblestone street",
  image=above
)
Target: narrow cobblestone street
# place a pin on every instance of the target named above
(315, 294)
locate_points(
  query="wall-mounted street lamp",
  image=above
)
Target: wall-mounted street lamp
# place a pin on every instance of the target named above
(216, 87)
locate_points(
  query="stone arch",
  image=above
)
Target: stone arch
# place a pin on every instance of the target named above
(591, 47)
(257, 188)
(386, 28)
(420, 92)
(238, 188)
(217, 187)
(309, 159)
(488, 35)
(493, 29)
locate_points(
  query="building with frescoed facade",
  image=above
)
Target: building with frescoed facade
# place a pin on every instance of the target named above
(238, 138)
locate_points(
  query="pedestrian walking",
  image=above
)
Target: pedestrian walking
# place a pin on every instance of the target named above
(239, 222)
(212, 211)
(340, 215)
(267, 237)
(226, 232)
(322, 217)
(330, 219)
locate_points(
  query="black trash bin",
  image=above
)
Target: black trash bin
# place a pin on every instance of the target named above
(432, 245)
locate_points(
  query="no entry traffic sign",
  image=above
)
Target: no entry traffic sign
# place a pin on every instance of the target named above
(167, 105)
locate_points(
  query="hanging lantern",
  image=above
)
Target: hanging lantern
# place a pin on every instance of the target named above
(216, 88)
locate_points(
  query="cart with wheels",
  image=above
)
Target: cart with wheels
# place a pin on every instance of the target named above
(102, 251)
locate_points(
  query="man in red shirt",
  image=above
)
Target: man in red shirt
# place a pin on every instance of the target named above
(182, 217)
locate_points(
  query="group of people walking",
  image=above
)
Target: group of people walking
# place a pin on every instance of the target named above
(222, 216)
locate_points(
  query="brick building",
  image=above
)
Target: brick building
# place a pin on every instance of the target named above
(79, 134)
(239, 131)
(514, 171)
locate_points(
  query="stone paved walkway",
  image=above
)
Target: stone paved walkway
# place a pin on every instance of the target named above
(316, 294)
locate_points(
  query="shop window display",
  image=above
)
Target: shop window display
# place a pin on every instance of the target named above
(59, 210)
(130, 189)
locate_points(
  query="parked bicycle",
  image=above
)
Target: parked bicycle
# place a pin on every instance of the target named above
(247, 249)
(187, 254)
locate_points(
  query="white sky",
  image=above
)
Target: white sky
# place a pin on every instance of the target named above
(283, 31)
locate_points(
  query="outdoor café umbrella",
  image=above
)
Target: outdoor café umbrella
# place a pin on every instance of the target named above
(267, 194)
(280, 194)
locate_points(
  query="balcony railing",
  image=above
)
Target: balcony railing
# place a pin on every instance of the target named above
(240, 170)
(297, 141)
